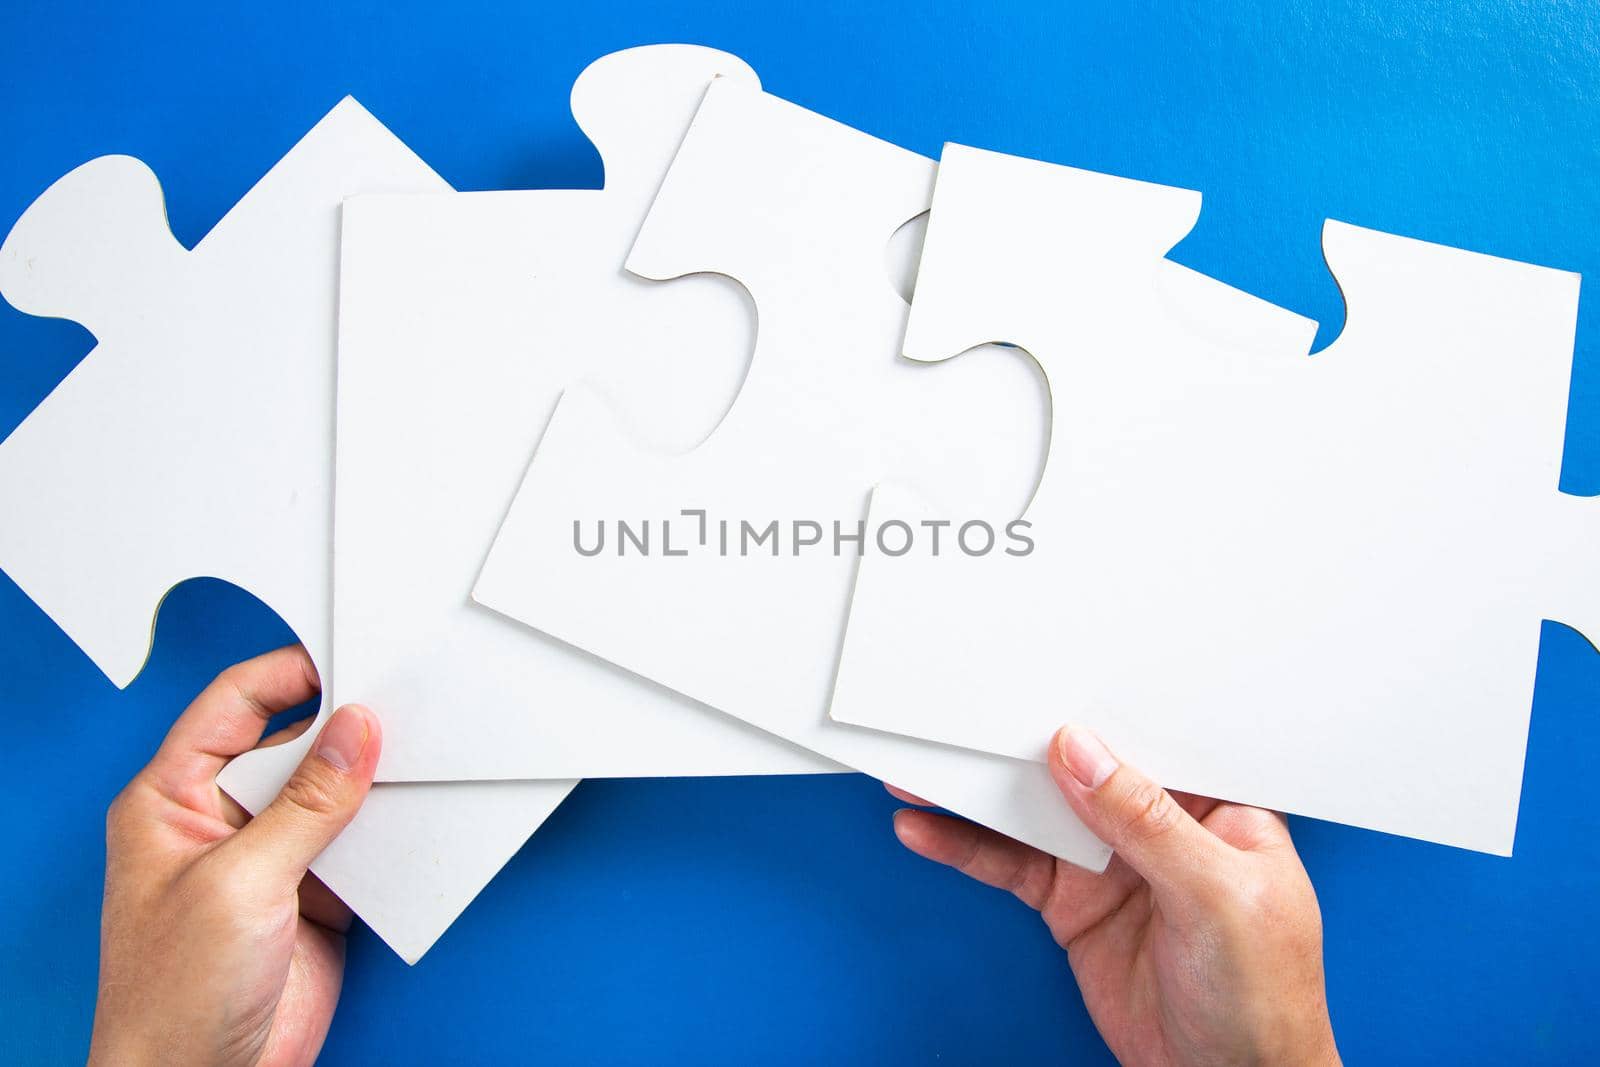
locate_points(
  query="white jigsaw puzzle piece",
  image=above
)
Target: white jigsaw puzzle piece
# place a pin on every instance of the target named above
(800, 210)
(196, 439)
(1311, 584)
(462, 318)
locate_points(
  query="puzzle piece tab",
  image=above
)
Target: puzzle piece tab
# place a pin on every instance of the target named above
(799, 209)
(196, 439)
(1311, 584)
(461, 320)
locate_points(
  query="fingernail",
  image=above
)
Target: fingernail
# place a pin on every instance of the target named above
(1085, 756)
(342, 740)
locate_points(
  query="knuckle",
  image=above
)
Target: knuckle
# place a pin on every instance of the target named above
(239, 682)
(232, 678)
(314, 793)
(970, 856)
(1017, 877)
(209, 885)
(1272, 899)
(122, 814)
(1033, 882)
(118, 816)
(1151, 811)
(1257, 896)
(1065, 923)
(220, 894)
(1260, 900)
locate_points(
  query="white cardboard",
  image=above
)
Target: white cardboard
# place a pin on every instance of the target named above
(462, 318)
(1313, 584)
(800, 210)
(197, 440)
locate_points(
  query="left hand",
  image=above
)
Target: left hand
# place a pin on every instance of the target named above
(216, 946)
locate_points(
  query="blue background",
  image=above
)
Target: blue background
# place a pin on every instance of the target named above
(735, 919)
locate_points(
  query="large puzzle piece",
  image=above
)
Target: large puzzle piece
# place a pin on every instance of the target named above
(1310, 584)
(197, 440)
(461, 320)
(799, 209)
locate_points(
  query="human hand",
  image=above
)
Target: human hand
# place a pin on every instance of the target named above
(1201, 943)
(216, 946)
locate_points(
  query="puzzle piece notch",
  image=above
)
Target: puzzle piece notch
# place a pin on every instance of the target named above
(729, 209)
(527, 289)
(131, 477)
(778, 199)
(634, 106)
(1571, 575)
(1392, 297)
(1493, 302)
(625, 105)
(1412, 420)
(871, 182)
(902, 253)
(175, 327)
(1123, 227)
(93, 248)
(89, 248)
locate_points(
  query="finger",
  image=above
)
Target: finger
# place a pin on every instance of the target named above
(288, 733)
(1249, 829)
(980, 853)
(228, 716)
(1197, 806)
(1141, 821)
(1072, 899)
(318, 800)
(909, 798)
(230, 809)
(318, 904)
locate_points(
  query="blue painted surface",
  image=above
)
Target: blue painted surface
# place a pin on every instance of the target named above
(724, 921)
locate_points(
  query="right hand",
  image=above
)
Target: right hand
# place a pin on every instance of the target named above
(1201, 943)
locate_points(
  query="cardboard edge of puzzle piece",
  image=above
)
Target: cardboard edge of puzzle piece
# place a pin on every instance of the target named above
(74, 254)
(1216, 309)
(1370, 267)
(1545, 301)
(527, 288)
(95, 248)
(583, 621)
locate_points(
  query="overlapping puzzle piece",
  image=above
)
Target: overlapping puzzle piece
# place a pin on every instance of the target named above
(1309, 584)
(462, 318)
(196, 439)
(799, 209)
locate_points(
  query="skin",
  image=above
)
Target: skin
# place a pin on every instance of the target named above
(1201, 943)
(216, 946)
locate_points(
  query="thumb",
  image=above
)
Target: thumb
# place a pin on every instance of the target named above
(319, 799)
(1141, 821)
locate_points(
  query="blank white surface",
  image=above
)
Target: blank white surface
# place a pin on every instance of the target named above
(197, 440)
(1313, 584)
(462, 319)
(800, 210)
